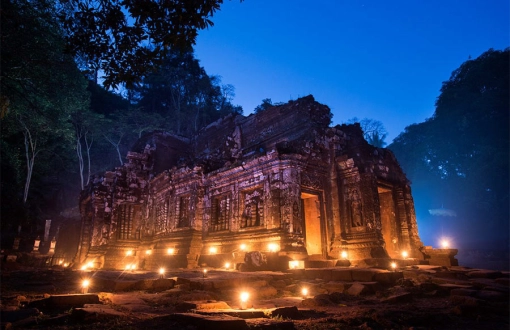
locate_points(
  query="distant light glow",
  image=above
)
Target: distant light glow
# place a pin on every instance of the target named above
(393, 265)
(404, 254)
(129, 252)
(304, 292)
(85, 284)
(213, 250)
(84, 267)
(293, 264)
(148, 252)
(242, 247)
(170, 251)
(60, 262)
(227, 265)
(344, 255)
(90, 264)
(162, 271)
(445, 243)
(66, 264)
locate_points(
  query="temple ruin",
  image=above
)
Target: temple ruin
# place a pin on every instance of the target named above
(282, 182)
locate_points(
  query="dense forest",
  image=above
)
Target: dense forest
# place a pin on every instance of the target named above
(79, 86)
(61, 124)
(458, 160)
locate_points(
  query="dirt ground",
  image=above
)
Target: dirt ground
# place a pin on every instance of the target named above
(419, 298)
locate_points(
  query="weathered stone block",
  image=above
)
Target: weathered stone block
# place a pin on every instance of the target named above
(215, 322)
(363, 275)
(341, 275)
(334, 286)
(357, 289)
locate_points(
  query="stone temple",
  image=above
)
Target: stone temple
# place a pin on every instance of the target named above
(281, 182)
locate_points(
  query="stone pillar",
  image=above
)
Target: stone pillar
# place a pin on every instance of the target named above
(15, 245)
(53, 243)
(37, 242)
(47, 227)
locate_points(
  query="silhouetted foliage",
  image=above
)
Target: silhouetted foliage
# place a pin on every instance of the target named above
(41, 88)
(266, 103)
(184, 95)
(127, 39)
(373, 131)
(459, 158)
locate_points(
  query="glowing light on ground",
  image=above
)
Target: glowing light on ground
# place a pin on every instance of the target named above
(244, 299)
(85, 286)
(205, 272)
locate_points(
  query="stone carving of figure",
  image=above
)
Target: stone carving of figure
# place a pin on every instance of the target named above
(247, 216)
(356, 210)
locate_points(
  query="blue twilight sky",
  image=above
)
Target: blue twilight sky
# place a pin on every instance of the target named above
(383, 60)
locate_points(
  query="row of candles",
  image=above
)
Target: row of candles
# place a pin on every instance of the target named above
(272, 247)
(244, 296)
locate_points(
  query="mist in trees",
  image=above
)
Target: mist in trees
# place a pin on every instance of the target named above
(59, 127)
(458, 160)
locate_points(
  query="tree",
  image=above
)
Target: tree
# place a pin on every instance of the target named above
(373, 131)
(266, 103)
(463, 150)
(126, 39)
(183, 93)
(40, 84)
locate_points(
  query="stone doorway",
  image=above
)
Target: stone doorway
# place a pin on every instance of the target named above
(311, 207)
(388, 220)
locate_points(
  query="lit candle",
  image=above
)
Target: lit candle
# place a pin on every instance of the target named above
(85, 286)
(244, 299)
(273, 247)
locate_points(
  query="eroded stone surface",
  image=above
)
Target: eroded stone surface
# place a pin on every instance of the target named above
(282, 183)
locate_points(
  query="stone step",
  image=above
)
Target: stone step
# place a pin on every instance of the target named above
(210, 322)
